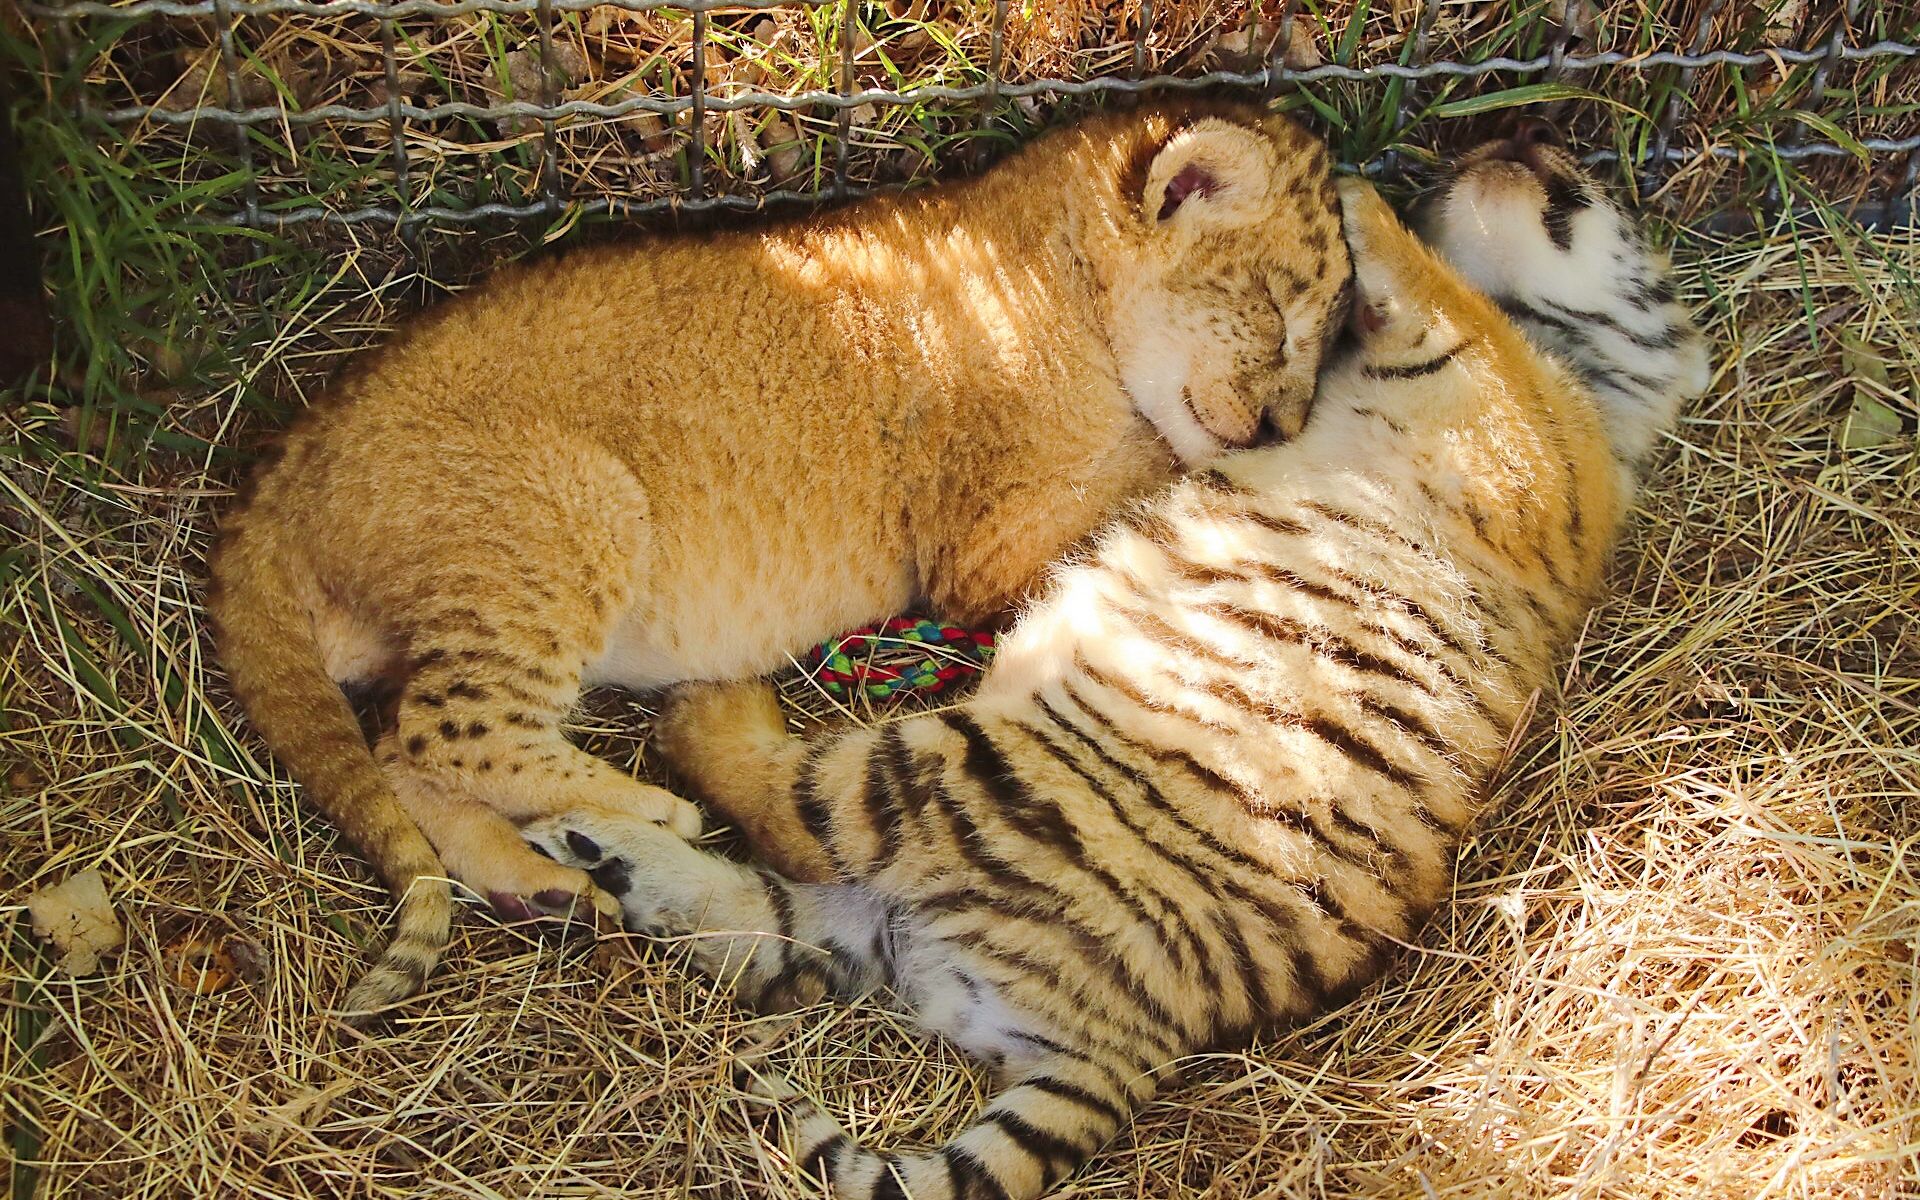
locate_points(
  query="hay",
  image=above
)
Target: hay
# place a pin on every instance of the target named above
(1681, 961)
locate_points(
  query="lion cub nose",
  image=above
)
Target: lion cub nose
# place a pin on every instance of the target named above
(1275, 427)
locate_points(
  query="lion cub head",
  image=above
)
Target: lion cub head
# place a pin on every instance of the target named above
(1226, 273)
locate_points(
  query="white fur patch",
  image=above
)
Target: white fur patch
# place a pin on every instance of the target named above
(1156, 370)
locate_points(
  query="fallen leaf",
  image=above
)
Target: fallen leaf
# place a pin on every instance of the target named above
(77, 917)
(1870, 423)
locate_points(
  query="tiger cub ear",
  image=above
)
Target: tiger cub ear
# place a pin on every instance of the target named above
(1389, 267)
(1212, 173)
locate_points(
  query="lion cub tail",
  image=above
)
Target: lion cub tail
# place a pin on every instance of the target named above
(267, 643)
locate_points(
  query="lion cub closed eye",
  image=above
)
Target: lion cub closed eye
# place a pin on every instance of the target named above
(684, 458)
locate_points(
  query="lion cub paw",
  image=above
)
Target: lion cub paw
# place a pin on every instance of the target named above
(521, 885)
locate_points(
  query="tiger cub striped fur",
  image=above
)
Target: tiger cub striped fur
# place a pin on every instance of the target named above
(1223, 767)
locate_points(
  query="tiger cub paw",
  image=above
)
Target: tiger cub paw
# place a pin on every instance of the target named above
(618, 854)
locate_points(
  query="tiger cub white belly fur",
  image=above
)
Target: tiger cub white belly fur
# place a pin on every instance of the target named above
(1222, 769)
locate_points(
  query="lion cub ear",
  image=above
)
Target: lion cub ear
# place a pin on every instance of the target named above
(1213, 171)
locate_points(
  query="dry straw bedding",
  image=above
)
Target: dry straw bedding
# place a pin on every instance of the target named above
(1680, 962)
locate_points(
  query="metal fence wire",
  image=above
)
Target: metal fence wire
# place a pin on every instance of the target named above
(404, 142)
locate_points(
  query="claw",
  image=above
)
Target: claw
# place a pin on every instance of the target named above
(605, 904)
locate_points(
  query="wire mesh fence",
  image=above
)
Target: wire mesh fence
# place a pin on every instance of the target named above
(445, 112)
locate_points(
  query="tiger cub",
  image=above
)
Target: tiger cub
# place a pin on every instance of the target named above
(1222, 769)
(684, 458)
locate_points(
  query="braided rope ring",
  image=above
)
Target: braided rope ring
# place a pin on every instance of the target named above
(899, 656)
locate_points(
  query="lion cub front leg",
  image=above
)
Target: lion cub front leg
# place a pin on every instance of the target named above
(729, 743)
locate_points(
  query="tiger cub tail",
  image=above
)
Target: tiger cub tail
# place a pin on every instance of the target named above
(1053, 1116)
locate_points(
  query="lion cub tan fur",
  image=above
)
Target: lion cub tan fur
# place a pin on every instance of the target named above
(684, 458)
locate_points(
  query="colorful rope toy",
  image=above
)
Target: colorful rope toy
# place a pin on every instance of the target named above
(901, 655)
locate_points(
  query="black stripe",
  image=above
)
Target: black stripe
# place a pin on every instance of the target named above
(954, 1181)
(1073, 1092)
(1244, 571)
(1520, 310)
(1038, 819)
(1451, 677)
(1155, 629)
(1152, 704)
(1411, 724)
(1269, 522)
(805, 792)
(1449, 638)
(970, 1168)
(1224, 510)
(1565, 198)
(985, 764)
(889, 763)
(1359, 829)
(1216, 480)
(888, 1187)
(824, 1157)
(1376, 415)
(1412, 370)
(1153, 525)
(1131, 1031)
(1056, 1155)
(1299, 583)
(1667, 338)
(1306, 971)
(1328, 646)
(1188, 949)
(1366, 525)
(1258, 804)
(1356, 747)
(782, 905)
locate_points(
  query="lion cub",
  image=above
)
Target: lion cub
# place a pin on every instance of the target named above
(683, 458)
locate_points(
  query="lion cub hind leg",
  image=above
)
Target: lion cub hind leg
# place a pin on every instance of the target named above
(478, 724)
(473, 788)
(728, 742)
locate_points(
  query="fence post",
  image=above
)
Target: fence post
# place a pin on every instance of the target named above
(697, 146)
(1423, 28)
(1656, 158)
(408, 227)
(236, 103)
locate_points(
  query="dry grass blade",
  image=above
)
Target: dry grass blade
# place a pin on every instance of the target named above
(1684, 954)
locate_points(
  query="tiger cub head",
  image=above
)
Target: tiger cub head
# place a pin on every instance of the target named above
(1526, 225)
(1223, 272)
